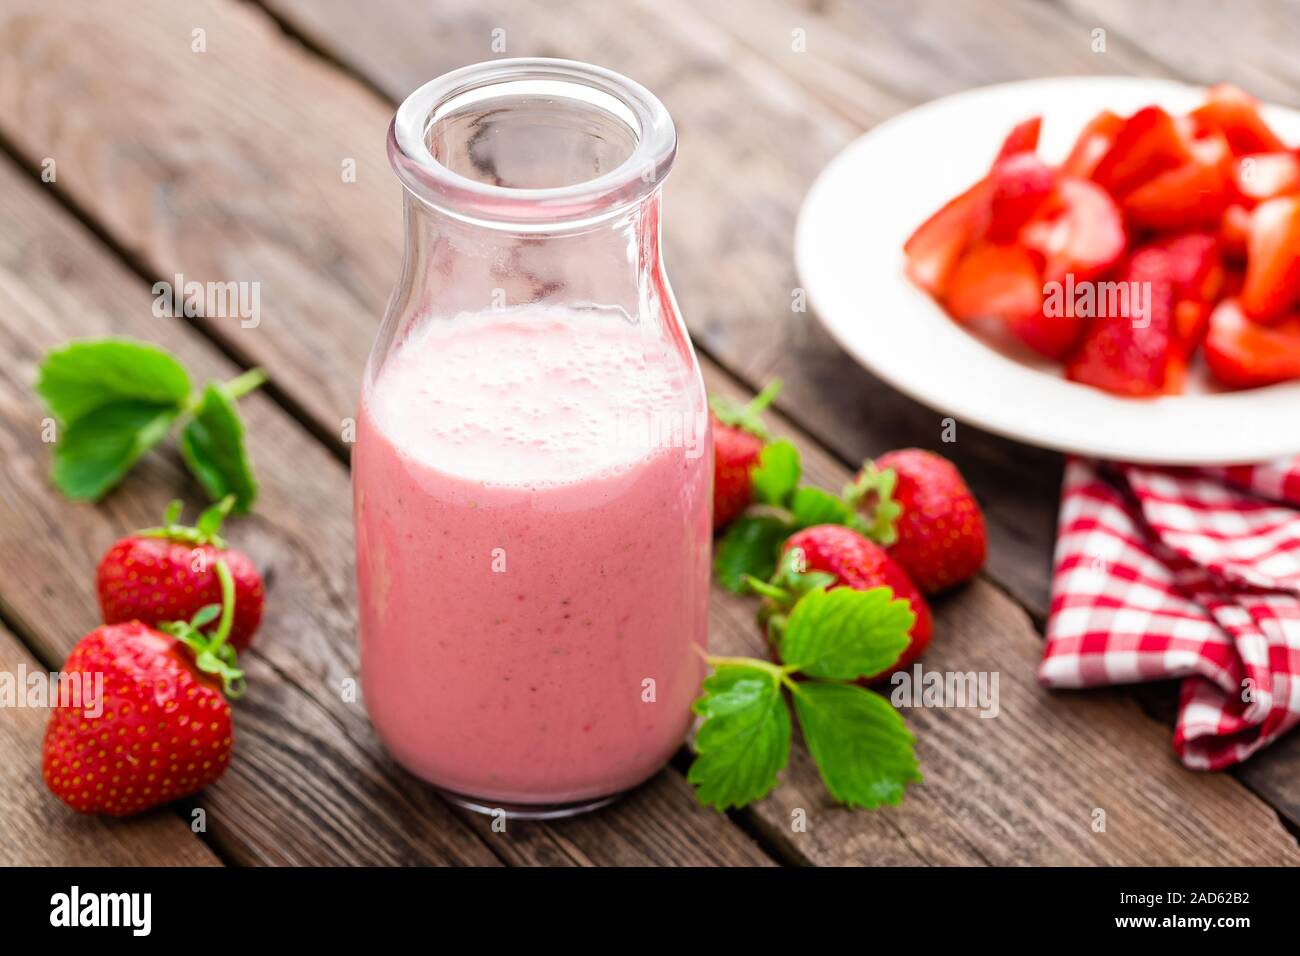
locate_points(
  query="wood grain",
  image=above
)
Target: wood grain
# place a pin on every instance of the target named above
(310, 782)
(40, 831)
(1010, 789)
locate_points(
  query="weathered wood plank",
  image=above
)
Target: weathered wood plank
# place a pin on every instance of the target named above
(1250, 43)
(310, 782)
(40, 831)
(991, 621)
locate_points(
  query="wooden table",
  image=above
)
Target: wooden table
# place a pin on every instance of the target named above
(226, 164)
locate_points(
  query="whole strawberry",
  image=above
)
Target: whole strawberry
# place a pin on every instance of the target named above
(836, 556)
(167, 574)
(151, 723)
(925, 514)
(738, 437)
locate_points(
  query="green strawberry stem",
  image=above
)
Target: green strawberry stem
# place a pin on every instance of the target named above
(205, 531)
(872, 493)
(212, 654)
(241, 385)
(778, 672)
(227, 607)
(747, 416)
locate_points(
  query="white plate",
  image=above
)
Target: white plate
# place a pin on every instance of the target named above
(848, 248)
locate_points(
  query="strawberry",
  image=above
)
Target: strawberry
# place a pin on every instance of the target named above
(1272, 287)
(1130, 354)
(1019, 186)
(1023, 138)
(1083, 236)
(738, 438)
(836, 556)
(1235, 114)
(1092, 145)
(1244, 354)
(1146, 144)
(934, 248)
(1264, 176)
(923, 511)
(1192, 194)
(152, 723)
(166, 573)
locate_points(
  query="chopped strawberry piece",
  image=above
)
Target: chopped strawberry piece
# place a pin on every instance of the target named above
(1019, 185)
(1190, 195)
(1191, 320)
(1086, 237)
(1234, 232)
(1023, 138)
(994, 280)
(1147, 144)
(1092, 144)
(934, 248)
(1131, 354)
(1272, 284)
(1191, 262)
(1263, 176)
(1235, 114)
(1244, 354)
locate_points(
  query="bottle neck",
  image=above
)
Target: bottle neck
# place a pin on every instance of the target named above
(454, 265)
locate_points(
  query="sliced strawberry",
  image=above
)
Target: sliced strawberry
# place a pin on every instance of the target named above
(1263, 176)
(1191, 320)
(1190, 195)
(1023, 138)
(1085, 238)
(1192, 263)
(1131, 354)
(1244, 354)
(1273, 260)
(993, 280)
(1019, 185)
(1235, 114)
(1052, 335)
(1234, 232)
(1147, 144)
(934, 248)
(1092, 144)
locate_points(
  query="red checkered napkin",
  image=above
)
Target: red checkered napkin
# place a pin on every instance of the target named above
(1190, 573)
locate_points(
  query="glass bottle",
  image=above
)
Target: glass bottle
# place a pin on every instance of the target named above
(533, 466)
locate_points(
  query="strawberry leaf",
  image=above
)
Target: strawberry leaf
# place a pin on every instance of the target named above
(859, 742)
(96, 451)
(744, 741)
(845, 634)
(811, 506)
(212, 444)
(81, 377)
(776, 475)
(749, 547)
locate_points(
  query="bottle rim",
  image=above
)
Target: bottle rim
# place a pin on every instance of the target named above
(640, 173)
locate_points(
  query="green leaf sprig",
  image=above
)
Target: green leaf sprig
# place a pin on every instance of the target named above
(862, 748)
(117, 398)
(750, 545)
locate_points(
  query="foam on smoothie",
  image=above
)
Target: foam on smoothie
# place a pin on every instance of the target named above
(526, 397)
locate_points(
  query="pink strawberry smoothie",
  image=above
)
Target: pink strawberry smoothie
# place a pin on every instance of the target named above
(532, 552)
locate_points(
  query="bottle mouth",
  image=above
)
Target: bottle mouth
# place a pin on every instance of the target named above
(531, 141)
